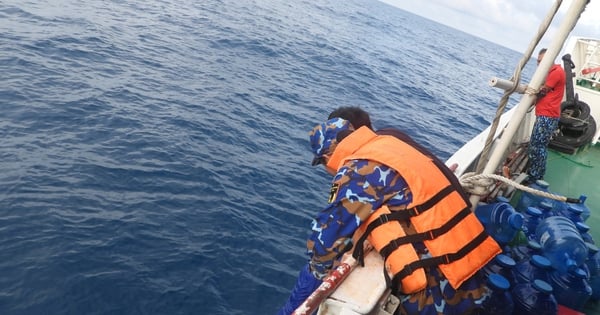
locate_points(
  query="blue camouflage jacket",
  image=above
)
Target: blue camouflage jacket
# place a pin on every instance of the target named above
(359, 188)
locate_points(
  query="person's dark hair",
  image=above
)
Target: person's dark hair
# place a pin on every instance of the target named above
(543, 51)
(354, 114)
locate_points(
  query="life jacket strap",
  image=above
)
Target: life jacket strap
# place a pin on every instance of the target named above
(439, 260)
(359, 251)
(424, 236)
(399, 215)
(416, 210)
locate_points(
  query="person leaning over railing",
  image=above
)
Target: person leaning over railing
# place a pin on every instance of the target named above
(382, 183)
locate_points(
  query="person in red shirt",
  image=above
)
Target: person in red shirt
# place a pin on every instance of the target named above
(547, 112)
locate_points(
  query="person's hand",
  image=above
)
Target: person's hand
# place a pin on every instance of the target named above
(542, 92)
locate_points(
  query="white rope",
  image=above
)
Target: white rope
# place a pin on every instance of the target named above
(531, 91)
(585, 121)
(478, 183)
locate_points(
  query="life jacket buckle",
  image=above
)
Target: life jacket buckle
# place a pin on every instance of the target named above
(396, 243)
(408, 270)
(446, 259)
(414, 211)
(383, 219)
(431, 235)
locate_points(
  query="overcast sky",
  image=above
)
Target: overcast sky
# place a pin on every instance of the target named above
(510, 23)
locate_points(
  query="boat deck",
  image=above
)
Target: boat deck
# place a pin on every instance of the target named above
(575, 175)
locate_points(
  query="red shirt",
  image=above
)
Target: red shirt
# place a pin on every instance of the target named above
(549, 105)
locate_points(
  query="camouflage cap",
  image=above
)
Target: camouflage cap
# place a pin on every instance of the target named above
(324, 135)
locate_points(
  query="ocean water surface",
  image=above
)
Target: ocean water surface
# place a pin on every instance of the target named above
(154, 155)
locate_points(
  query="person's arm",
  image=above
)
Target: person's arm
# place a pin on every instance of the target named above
(553, 79)
(358, 189)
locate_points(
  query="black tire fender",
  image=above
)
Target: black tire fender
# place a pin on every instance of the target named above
(576, 142)
(573, 113)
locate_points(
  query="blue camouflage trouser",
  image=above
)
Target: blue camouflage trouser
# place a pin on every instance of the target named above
(540, 137)
(440, 298)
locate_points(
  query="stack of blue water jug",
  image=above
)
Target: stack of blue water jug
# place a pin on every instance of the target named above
(549, 256)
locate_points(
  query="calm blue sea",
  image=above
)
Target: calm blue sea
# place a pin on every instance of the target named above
(154, 155)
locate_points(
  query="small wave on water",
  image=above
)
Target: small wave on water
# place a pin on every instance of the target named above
(154, 155)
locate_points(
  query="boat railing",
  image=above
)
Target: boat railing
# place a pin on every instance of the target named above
(588, 74)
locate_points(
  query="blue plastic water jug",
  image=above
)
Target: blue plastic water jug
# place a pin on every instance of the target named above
(498, 300)
(561, 243)
(524, 251)
(547, 208)
(501, 199)
(584, 230)
(536, 267)
(500, 220)
(501, 264)
(585, 214)
(580, 209)
(534, 298)
(571, 289)
(531, 219)
(593, 266)
(595, 285)
(531, 200)
(571, 212)
(593, 259)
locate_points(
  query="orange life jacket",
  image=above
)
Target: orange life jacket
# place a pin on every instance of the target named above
(439, 212)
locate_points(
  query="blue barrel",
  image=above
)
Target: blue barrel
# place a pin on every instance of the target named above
(501, 264)
(500, 220)
(531, 200)
(534, 298)
(536, 267)
(498, 299)
(571, 289)
(531, 219)
(561, 243)
(524, 251)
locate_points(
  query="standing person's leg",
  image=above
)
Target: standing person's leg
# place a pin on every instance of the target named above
(543, 129)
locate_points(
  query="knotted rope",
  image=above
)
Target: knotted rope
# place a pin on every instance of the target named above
(480, 184)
